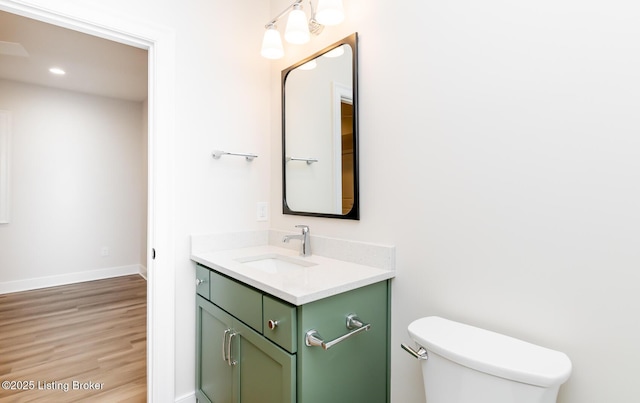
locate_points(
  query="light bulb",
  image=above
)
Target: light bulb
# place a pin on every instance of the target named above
(330, 12)
(297, 31)
(272, 44)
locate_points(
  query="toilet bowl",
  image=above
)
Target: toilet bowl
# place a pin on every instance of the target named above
(465, 364)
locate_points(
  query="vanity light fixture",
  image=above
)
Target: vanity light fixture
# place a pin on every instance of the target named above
(298, 29)
(271, 43)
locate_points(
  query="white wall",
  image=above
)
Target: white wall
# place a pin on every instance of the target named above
(222, 103)
(5, 165)
(500, 151)
(77, 187)
(508, 165)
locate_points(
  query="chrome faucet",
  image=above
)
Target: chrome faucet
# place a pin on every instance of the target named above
(305, 241)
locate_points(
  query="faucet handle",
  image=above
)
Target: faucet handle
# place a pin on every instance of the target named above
(305, 228)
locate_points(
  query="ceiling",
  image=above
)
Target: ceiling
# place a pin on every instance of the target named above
(93, 65)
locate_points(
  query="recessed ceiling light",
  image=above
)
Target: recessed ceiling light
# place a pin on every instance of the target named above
(57, 71)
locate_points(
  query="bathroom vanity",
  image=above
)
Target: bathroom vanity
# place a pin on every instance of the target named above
(273, 327)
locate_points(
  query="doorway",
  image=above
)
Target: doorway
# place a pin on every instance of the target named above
(78, 156)
(160, 43)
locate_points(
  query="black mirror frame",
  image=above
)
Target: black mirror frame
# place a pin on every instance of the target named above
(354, 213)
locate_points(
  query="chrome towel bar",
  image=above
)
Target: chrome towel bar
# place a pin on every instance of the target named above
(309, 161)
(249, 157)
(313, 338)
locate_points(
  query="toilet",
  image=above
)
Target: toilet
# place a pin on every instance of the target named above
(466, 364)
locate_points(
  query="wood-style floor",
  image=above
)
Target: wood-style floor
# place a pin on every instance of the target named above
(62, 340)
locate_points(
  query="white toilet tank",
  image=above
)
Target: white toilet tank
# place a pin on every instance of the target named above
(470, 365)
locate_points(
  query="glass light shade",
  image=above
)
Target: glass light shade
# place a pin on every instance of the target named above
(297, 31)
(330, 12)
(272, 44)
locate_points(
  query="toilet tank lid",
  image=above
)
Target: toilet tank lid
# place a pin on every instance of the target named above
(491, 353)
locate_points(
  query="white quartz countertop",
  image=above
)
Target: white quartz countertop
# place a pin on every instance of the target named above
(326, 277)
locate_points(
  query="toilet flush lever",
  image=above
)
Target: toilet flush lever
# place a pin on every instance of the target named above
(421, 354)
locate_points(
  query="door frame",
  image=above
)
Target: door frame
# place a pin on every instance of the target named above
(340, 94)
(160, 43)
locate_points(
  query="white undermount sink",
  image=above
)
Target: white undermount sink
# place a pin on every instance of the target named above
(274, 263)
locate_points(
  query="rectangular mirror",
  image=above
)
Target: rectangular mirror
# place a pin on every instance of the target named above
(320, 133)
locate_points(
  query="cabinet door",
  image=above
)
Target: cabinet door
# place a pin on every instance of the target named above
(356, 369)
(267, 372)
(214, 376)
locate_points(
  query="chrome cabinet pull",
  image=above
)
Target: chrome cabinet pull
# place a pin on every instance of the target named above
(313, 338)
(200, 281)
(421, 354)
(229, 360)
(224, 344)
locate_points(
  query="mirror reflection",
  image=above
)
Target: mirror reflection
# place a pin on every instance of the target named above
(320, 134)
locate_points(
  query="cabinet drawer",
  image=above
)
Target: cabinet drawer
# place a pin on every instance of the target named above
(241, 301)
(283, 316)
(202, 281)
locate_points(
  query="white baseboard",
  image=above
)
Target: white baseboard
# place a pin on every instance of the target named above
(190, 398)
(70, 278)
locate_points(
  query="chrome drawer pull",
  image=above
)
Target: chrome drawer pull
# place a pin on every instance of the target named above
(224, 344)
(313, 338)
(421, 354)
(229, 360)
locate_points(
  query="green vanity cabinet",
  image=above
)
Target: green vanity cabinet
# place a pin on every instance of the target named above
(251, 346)
(215, 381)
(266, 372)
(202, 281)
(239, 300)
(237, 364)
(280, 323)
(356, 369)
